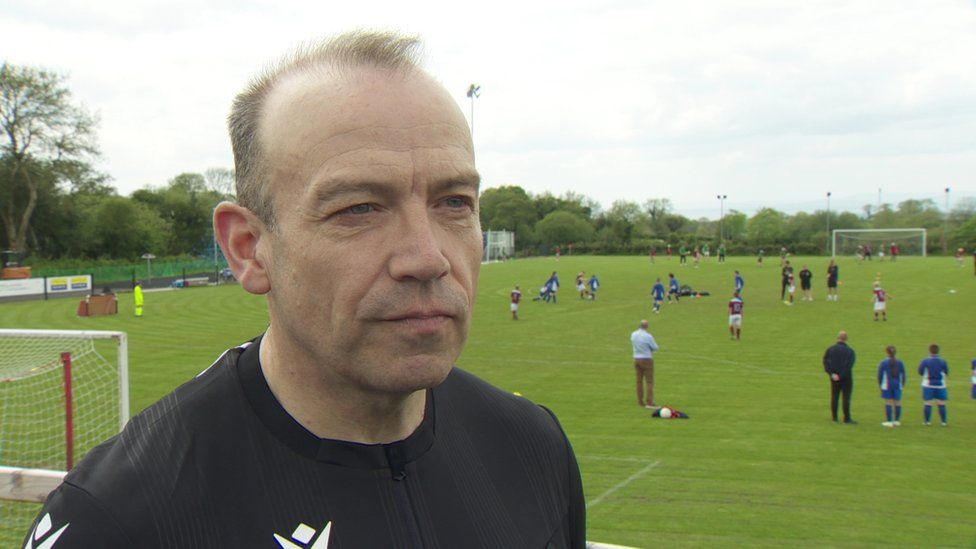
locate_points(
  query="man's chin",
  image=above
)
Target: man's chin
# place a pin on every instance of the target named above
(411, 374)
(429, 375)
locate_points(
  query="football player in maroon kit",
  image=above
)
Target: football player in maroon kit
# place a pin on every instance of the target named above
(735, 316)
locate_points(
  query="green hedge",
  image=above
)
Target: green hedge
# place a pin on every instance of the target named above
(106, 271)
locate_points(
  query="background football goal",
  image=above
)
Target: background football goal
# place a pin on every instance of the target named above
(61, 393)
(850, 241)
(497, 245)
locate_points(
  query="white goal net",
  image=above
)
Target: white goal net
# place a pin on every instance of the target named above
(61, 393)
(875, 243)
(497, 245)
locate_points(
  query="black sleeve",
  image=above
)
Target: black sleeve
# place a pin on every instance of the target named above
(74, 519)
(574, 523)
(826, 361)
(577, 512)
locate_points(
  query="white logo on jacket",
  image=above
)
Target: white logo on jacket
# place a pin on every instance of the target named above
(304, 535)
(41, 530)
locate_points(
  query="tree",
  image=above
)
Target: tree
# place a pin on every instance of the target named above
(884, 218)
(571, 202)
(220, 181)
(508, 208)
(920, 213)
(624, 221)
(846, 220)
(766, 227)
(561, 227)
(734, 225)
(804, 227)
(185, 205)
(675, 223)
(963, 211)
(62, 212)
(965, 235)
(45, 136)
(657, 207)
(705, 230)
(124, 228)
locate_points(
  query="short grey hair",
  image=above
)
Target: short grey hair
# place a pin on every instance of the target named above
(385, 50)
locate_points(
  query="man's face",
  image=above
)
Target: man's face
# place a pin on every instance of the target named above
(374, 260)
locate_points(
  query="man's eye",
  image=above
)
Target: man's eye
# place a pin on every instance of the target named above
(456, 202)
(359, 209)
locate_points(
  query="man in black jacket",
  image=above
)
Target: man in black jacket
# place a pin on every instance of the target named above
(785, 278)
(838, 362)
(345, 424)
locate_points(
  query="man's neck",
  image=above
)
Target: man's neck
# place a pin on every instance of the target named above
(331, 407)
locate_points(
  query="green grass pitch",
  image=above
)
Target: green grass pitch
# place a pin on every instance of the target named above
(759, 464)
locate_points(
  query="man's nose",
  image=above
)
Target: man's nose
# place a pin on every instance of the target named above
(420, 248)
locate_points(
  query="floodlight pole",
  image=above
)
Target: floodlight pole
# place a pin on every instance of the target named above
(945, 228)
(216, 265)
(828, 224)
(721, 216)
(474, 92)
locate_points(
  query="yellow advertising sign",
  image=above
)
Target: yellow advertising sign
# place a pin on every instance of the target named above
(69, 283)
(59, 284)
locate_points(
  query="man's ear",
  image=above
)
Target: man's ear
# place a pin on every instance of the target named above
(238, 232)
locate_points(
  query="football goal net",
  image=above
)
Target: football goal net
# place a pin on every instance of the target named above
(497, 245)
(878, 241)
(61, 393)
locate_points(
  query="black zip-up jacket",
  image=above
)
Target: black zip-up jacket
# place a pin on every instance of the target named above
(839, 359)
(220, 463)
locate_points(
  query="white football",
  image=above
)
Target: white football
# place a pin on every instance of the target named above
(665, 413)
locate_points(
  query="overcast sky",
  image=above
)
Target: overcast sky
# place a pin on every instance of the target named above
(770, 103)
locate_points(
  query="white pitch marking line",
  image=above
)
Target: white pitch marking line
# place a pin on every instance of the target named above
(732, 362)
(595, 501)
(597, 457)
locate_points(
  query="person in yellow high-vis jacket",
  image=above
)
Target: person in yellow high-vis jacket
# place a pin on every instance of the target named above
(137, 293)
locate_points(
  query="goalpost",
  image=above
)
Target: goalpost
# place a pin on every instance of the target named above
(849, 241)
(497, 245)
(59, 397)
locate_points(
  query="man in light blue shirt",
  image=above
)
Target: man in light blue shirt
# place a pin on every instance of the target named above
(644, 346)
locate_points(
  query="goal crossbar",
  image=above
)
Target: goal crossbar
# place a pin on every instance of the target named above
(33, 485)
(849, 232)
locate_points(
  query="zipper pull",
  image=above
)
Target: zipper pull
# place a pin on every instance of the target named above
(398, 467)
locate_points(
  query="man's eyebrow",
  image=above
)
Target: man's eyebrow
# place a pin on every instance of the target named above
(467, 180)
(330, 190)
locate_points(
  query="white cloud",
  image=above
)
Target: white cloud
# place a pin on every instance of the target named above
(613, 99)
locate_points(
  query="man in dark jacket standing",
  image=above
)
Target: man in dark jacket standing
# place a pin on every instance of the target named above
(838, 362)
(785, 278)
